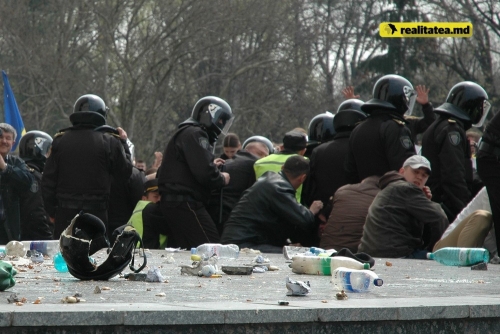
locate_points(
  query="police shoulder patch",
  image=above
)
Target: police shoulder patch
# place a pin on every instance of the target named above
(406, 142)
(204, 143)
(454, 138)
(34, 187)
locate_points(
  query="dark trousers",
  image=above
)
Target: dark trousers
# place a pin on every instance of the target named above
(64, 217)
(154, 224)
(488, 168)
(189, 223)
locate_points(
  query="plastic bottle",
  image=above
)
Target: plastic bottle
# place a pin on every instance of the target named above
(312, 265)
(46, 247)
(222, 251)
(59, 263)
(456, 256)
(347, 262)
(354, 280)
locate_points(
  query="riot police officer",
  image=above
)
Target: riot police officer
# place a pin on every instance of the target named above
(83, 159)
(383, 141)
(188, 174)
(320, 130)
(35, 224)
(446, 146)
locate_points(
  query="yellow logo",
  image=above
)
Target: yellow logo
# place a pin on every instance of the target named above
(425, 29)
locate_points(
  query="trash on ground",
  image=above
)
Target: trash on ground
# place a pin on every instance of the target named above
(97, 289)
(480, 266)
(249, 251)
(36, 257)
(258, 270)
(237, 270)
(38, 300)
(154, 275)
(15, 248)
(161, 294)
(173, 250)
(341, 295)
(297, 288)
(208, 270)
(283, 303)
(72, 300)
(135, 276)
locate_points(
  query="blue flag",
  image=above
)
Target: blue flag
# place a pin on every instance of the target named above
(11, 111)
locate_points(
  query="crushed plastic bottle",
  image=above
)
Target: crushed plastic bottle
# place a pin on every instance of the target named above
(354, 280)
(457, 256)
(60, 264)
(229, 251)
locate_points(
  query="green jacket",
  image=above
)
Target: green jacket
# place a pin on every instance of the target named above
(273, 162)
(136, 221)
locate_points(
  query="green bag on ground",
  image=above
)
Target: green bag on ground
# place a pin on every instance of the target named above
(7, 273)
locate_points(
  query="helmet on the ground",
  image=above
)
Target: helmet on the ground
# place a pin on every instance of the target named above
(89, 109)
(468, 102)
(394, 93)
(85, 236)
(214, 114)
(34, 146)
(321, 128)
(259, 139)
(348, 115)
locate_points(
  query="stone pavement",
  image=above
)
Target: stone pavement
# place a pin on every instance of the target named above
(417, 296)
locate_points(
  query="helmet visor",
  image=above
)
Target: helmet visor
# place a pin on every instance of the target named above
(411, 97)
(486, 110)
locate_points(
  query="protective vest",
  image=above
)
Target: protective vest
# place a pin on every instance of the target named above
(136, 221)
(273, 163)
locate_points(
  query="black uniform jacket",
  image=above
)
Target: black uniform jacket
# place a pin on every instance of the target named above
(446, 147)
(187, 169)
(80, 167)
(381, 143)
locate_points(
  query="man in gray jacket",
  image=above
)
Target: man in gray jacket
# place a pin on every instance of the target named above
(402, 221)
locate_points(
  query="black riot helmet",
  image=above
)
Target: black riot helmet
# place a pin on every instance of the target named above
(89, 109)
(34, 146)
(468, 102)
(321, 128)
(392, 93)
(214, 114)
(259, 139)
(348, 115)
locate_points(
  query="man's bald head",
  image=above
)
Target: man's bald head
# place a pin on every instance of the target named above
(258, 149)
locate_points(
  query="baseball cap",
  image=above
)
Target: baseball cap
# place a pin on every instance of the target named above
(294, 141)
(417, 161)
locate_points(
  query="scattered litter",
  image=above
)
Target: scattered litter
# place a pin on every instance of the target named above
(170, 260)
(173, 250)
(36, 257)
(56, 279)
(161, 294)
(481, 281)
(105, 288)
(148, 289)
(38, 300)
(273, 268)
(15, 248)
(135, 276)
(324, 301)
(341, 295)
(388, 264)
(13, 298)
(249, 251)
(193, 269)
(71, 300)
(258, 270)
(207, 270)
(97, 289)
(154, 275)
(260, 259)
(237, 270)
(480, 266)
(297, 288)
(283, 303)
(78, 295)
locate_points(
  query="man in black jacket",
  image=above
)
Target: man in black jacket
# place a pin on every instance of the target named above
(15, 179)
(84, 157)
(268, 214)
(188, 174)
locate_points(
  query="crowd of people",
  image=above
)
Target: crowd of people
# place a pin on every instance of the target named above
(370, 177)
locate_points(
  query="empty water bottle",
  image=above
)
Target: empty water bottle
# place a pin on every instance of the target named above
(354, 280)
(46, 247)
(60, 264)
(229, 251)
(457, 256)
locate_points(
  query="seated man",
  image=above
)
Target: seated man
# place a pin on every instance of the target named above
(141, 217)
(402, 220)
(347, 218)
(268, 213)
